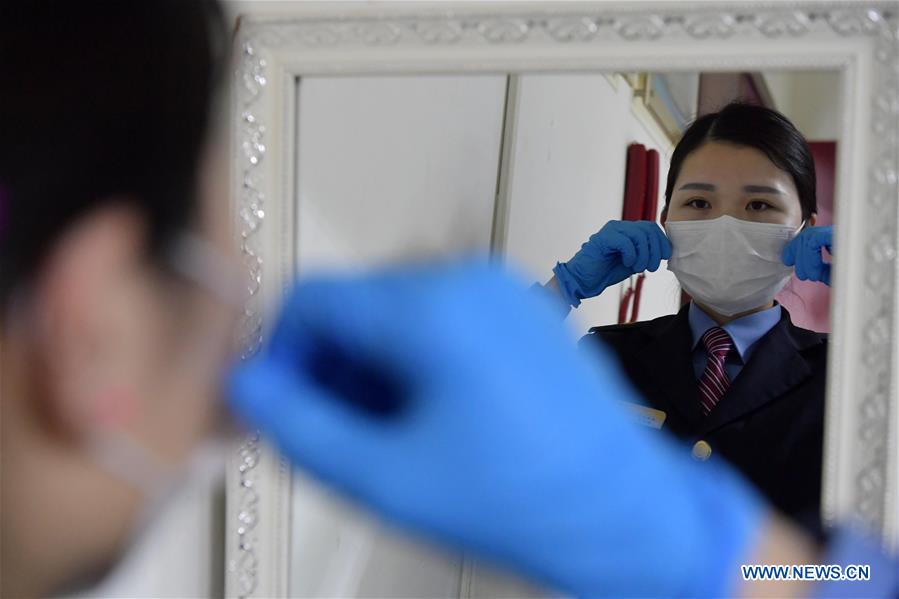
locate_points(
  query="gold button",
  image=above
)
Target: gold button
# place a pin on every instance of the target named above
(702, 451)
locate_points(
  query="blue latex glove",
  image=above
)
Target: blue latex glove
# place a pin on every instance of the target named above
(618, 250)
(804, 252)
(452, 403)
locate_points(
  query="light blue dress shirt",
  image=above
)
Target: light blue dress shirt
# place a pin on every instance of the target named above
(745, 332)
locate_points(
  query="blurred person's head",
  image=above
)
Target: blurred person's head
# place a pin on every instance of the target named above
(108, 157)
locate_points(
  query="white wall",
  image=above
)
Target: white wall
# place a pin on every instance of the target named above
(811, 99)
(568, 181)
(395, 168)
(389, 168)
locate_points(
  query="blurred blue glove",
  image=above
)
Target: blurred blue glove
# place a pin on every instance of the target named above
(804, 252)
(618, 250)
(452, 403)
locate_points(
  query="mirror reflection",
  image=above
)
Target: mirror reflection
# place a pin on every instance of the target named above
(681, 220)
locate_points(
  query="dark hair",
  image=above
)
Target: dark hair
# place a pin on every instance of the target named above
(101, 99)
(757, 127)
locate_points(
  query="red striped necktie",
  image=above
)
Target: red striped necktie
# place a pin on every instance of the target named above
(714, 381)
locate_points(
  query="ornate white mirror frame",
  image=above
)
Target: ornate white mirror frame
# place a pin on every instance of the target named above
(860, 40)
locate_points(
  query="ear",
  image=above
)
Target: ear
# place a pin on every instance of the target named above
(76, 319)
(812, 219)
(663, 216)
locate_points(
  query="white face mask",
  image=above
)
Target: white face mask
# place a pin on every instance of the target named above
(728, 264)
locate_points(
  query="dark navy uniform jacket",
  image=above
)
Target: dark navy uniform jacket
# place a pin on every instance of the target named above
(769, 424)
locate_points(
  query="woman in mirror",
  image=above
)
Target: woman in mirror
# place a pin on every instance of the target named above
(729, 373)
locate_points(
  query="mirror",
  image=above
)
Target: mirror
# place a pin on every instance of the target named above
(394, 168)
(365, 140)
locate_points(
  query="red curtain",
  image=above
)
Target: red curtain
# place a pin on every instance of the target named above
(641, 196)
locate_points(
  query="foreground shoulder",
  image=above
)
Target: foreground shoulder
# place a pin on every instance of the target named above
(634, 326)
(631, 328)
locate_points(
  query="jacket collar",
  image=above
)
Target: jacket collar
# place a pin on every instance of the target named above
(776, 366)
(668, 365)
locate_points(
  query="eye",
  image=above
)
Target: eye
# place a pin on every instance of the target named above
(698, 203)
(758, 206)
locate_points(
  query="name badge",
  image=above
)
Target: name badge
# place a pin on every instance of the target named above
(646, 416)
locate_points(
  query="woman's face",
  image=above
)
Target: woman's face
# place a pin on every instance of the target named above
(719, 179)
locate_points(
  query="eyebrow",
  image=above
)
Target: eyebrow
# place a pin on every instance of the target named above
(746, 188)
